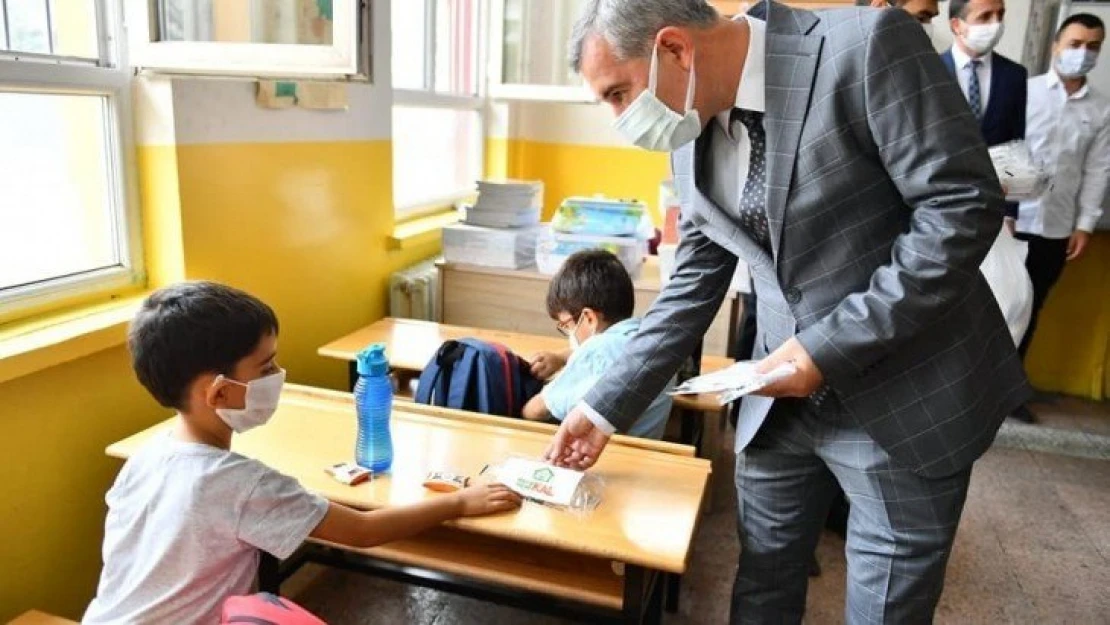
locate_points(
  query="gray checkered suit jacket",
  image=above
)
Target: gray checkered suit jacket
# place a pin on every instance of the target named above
(882, 203)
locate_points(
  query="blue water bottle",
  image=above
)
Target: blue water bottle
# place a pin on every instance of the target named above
(373, 401)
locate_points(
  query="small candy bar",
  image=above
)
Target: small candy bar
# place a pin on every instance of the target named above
(444, 482)
(349, 474)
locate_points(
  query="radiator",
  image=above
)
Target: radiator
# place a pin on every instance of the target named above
(414, 292)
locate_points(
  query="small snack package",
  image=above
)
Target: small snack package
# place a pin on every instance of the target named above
(445, 481)
(565, 489)
(349, 473)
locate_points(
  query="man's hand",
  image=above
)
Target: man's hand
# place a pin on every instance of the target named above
(1010, 224)
(1078, 243)
(547, 364)
(803, 383)
(577, 444)
(878, 4)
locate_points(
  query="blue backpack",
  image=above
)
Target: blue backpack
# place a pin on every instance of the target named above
(478, 376)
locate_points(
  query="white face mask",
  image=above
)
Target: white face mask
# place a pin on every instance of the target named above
(260, 403)
(982, 38)
(572, 338)
(652, 125)
(1075, 62)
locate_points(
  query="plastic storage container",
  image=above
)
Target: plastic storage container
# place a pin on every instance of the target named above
(599, 217)
(554, 248)
(374, 403)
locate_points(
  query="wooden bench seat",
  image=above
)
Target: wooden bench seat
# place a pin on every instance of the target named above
(537, 569)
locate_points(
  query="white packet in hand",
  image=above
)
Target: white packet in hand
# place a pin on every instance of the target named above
(735, 381)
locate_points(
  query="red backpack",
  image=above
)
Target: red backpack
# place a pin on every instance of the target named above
(266, 609)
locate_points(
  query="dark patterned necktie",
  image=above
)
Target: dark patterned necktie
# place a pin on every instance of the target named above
(753, 199)
(974, 96)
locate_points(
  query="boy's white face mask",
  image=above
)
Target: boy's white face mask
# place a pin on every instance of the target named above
(260, 402)
(652, 125)
(572, 338)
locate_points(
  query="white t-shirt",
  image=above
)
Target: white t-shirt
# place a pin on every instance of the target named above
(185, 525)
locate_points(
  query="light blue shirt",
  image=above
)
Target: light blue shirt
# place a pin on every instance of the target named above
(585, 367)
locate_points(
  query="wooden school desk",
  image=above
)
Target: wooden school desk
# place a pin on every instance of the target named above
(606, 567)
(410, 344)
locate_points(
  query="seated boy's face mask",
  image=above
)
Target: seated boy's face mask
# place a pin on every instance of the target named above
(573, 336)
(261, 402)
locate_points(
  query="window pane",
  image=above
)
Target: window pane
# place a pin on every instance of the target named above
(39, 26)
(534, 42)
(246, 21)
(74, 28)
(439, 156)
(56, 208)
(28, 26)
(407, 21)
(456, 47)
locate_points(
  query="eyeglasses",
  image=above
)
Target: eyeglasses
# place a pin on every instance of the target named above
(566, 328)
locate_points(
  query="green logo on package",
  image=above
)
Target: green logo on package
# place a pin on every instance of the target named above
(543, 475)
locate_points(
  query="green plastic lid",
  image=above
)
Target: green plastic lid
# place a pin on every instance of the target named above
(372, 361)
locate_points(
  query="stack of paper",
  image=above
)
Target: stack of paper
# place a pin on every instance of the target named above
(1021, 178)
(734, 382)
(506, 204)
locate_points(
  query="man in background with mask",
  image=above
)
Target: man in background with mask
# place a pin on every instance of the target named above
(834, 154)
(994, 86)
(1069, 134)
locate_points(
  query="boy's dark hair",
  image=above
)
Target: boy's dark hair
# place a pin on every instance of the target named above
(1085, 19)
(593, 279)
(192, 328)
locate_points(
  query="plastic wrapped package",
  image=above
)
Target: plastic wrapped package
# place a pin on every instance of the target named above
(600, 217)
(565, 489)
(553, 248)
(1021, 177)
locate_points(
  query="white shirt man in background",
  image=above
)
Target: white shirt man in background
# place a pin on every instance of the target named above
(1068, 132)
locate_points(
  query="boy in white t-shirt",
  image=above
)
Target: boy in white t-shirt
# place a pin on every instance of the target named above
(187, 517)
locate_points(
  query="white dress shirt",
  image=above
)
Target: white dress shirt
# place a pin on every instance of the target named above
(1070, 137)
(750, 95)
(963, 75)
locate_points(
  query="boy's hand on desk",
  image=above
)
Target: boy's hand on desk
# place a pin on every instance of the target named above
(486, 499)
(547, 364)
(577, 444)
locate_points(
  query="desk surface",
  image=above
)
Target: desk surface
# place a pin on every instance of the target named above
(410, 344)
(647, 516)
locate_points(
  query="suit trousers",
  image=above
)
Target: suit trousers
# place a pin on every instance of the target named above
(1045, 262)
(900, 528)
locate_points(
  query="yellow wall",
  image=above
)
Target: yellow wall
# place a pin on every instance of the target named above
(571, 169)
(304, 227)
(56, 424)
(1071, 351)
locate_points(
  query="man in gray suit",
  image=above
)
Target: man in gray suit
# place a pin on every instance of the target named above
(832, 151)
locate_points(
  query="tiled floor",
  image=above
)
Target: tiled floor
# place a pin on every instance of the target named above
(1033, 547)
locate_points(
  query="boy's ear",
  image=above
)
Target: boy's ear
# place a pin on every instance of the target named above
(218, 392)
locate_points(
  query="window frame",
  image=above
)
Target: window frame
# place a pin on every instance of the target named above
(107, 76)
(530, 92)
(429, 98)
(348, 57)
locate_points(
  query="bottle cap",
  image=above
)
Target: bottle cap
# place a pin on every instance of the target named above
(372, 361)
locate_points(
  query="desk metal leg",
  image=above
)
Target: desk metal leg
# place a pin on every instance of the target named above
(674, 591)
(352, 374)
(269, 574)
(643, 595)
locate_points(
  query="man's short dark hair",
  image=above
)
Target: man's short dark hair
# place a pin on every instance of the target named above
(958, 8)
(593, 279)
(193, 328)
(1084, 19)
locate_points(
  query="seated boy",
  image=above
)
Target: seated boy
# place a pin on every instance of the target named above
(187, 517)
(591, 299)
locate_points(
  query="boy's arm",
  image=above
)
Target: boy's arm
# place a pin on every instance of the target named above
(364, 530)
(536, 409)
